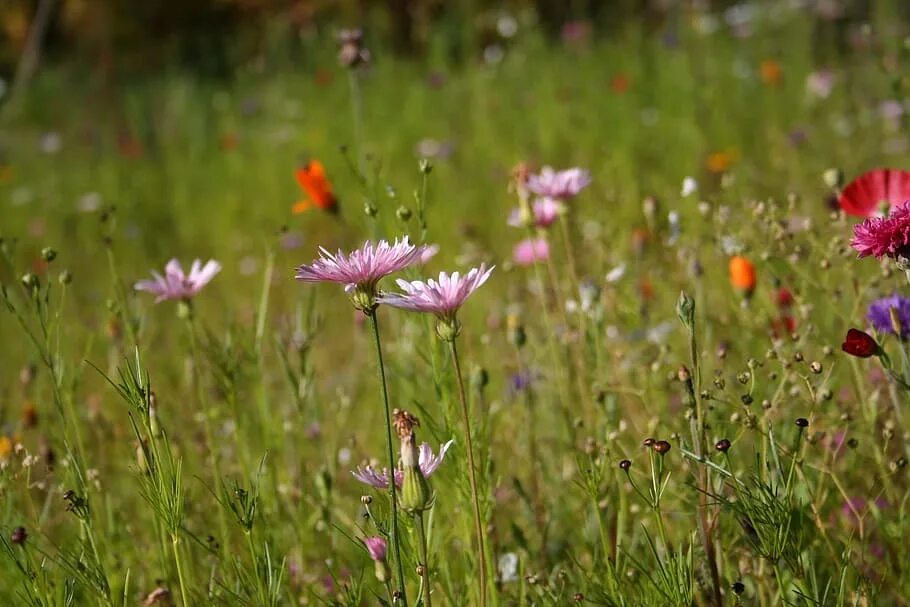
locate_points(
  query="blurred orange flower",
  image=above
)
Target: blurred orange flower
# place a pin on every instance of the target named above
(742, 274)
(316, 186)
(720, 162)
(619, 84)
(771, 72)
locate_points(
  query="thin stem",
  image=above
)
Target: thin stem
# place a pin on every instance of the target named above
(175, 542)
(424, 560)
(472, 476)
(388, 428)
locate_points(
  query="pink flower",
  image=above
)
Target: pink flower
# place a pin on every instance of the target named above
(530, 251)
(884, 236)
(820, 83)
(177, 285)
(426, 460)
(429, 252)
(545, 211)
(376, 546)
(559, 184)
(442, 298)
(363, 268)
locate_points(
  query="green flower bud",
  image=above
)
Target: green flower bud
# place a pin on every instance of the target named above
(363, 300)
(403, 213)
(30, 281)
(369, 209)
(184, 309)
(416, 494)
(65, 277)
(448, 328)
(685, 310)
(425, 166)
(48, 254)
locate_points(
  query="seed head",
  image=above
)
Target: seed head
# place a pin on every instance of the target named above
(802, 422)
(722, 445)
(18, 536)
(661, 446)
(625, 464)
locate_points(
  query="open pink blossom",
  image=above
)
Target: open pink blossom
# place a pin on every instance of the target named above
(177, 285)
(530, 251)
(560, 185)
(361, 269)
(427, 461)
(376, 546)
(545, 212)
(884, 236)
(442, 297)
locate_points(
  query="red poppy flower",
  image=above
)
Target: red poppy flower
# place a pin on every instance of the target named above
(859, 343)
(864, 195)
(316, 185)
(784, 297)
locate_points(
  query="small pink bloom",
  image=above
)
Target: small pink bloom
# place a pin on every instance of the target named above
(442, 298)
(530, 251)
(376, 546)
(426, 460)
(428, 253)
(884, 236)
(545, 212)
(363, 268)
(820, 83)
(559, 184)
(177, 285)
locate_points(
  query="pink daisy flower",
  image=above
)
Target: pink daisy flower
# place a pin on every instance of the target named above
(376, 546)
(530, 251)
(545, 212)
(884, 236)
(360, 270)
(442, 297)
(177, 285)
(427, 461)
(559, 184)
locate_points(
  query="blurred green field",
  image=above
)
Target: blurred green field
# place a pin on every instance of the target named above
(118, 180)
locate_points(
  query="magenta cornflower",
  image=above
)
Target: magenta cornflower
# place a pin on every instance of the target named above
(884, 236)
(530, 251)
(442, 297)
(376, 546)
(361, 270)
(544, 211)
(427, 461)
(559, 185)
(177, 285)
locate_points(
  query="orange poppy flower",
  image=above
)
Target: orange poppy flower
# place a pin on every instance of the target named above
(719, 162)
(771, 72)
(619, 84)
(316, 186)
(742, 274)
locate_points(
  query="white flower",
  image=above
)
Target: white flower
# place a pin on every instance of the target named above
(689, 187)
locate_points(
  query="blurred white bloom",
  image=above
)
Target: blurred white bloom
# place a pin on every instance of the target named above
(51, 143)
(675, 227)
(493, 54)
(660, 332)
(616, 273)
(508, 567)
(344, 456)
(507, 26)
(89, 202)
(689, 187)
(730, 245)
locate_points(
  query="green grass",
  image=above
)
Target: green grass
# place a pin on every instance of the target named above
(259, 508)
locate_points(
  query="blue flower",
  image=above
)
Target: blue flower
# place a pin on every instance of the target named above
(879, 315)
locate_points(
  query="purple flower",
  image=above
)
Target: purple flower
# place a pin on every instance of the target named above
(879, 315)
(177, 285)
(545, 211)
(442, 298)
(884, 236)
(360, 270)
(426, 460)
(531, 250)
(560, 185)
(376, 546)
(855, 508)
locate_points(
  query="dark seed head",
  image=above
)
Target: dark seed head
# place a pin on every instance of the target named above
(722, 445)
(647, 442)
(18, 536)
(625, 464)
(578, 597)
(802, 422)
(661, 446)
(738, 588)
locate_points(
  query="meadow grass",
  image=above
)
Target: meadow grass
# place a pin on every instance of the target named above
(232, 484)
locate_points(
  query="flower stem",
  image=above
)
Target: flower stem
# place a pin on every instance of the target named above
(388, 427)
(175, 542)
(472, 475)
(424, 560)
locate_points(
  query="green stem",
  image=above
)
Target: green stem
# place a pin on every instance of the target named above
(388, 428)
(175, 542)
(472, 475)
(424, 560)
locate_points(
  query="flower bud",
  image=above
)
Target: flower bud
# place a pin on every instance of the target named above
(18, 536)
(48, 254)
(65, 277)
(685, 310)
(403, 213)
(448, 329)
(416, 494)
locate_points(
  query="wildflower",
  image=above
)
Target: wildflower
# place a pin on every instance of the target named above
(352, 53)
(313, 181)
(544, 212)
(18, 536)
(874, 190)
(530, 251)
(860, 344)
(560, 185)
(508, 567)
(177, 285)
(742, 274)
(689, 187)
(442, 298)
(377, 548)
(890, 315)
(619, 83)
(771, 72)
(820, 83)
(427, 461)
(719, 162)
(361, 270)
